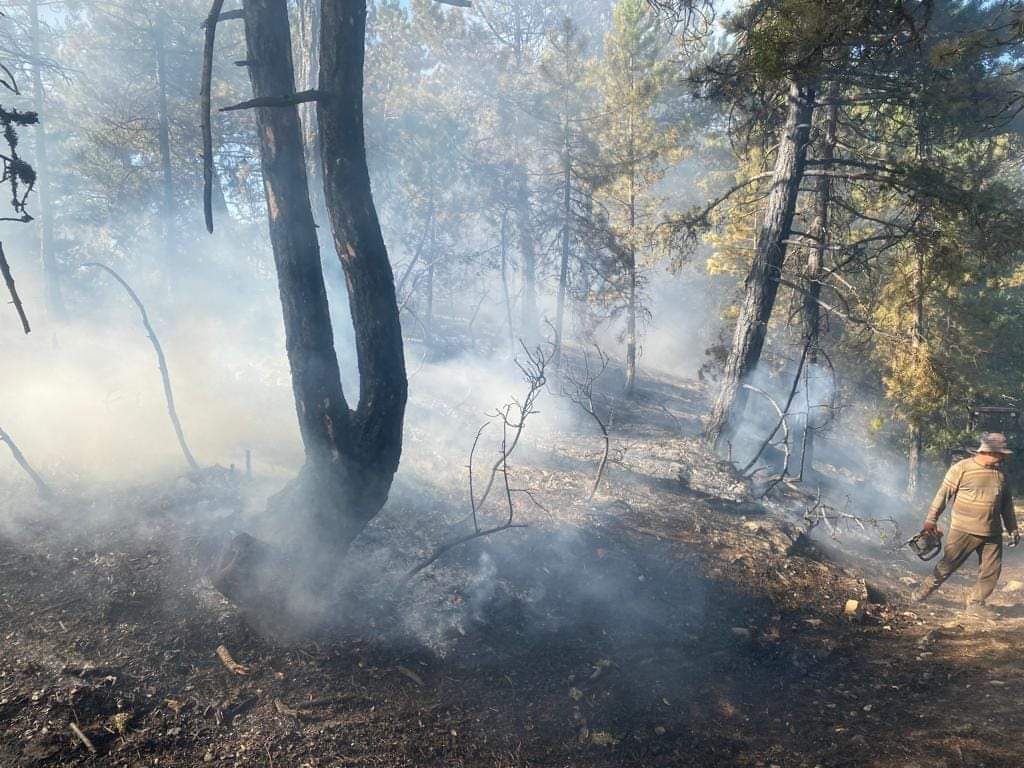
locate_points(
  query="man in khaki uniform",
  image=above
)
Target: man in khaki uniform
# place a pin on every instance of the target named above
(979, 494)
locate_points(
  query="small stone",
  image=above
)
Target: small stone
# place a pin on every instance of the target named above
(1013, 586)
(208, 757)
(741, 632)
(659, 730)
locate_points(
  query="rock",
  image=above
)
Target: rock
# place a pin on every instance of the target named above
(741, 632)
(853, 609)
(1013, 586)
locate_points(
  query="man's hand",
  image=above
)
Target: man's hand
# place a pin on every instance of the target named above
(1014, 538)
(930, 527)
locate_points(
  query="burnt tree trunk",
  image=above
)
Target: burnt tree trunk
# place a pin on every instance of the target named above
(350, 455)
(51, 276)
(762, 280)
(308, 79)
(528, 325)
(368, 448)
(811, 307)
(167, 207)
(563, 271)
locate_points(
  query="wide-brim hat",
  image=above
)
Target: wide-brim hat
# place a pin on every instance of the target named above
(993, 442)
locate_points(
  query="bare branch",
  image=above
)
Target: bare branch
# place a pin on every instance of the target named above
(5, 268)
(275, 101)
(204, 105)
(41, 486)
(161, 361)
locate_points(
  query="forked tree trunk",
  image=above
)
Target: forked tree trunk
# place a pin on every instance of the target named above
(762, 281)
(351, 455)
(51, 277)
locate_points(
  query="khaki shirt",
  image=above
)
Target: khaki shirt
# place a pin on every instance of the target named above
(980, 496)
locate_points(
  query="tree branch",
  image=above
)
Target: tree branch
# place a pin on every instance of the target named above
(204, 105)
(5, 268)
(275, 101)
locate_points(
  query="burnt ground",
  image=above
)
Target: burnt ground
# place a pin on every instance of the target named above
(673, 621)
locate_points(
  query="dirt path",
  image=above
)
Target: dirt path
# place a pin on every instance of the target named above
(659, 626)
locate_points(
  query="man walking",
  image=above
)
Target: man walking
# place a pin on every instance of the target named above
(979, 495)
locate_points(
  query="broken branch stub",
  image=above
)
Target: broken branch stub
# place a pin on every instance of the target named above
(288, 100)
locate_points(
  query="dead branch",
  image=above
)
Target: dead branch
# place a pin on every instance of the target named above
(86, 741)
(204, 104)
(578, 386)
(513, 416)
(837, 521)
(785, 437)
(287, 100)
(783, 415)
(212, 20)
(456, 3)
(5, 268)
(165, 375)
(41, 486)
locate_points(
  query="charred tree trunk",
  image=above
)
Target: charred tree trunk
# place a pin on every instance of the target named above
(505, 292)
(51, 275)
(167, 207)
(631, 297)
(367, 450)
(529, 325)
(563, 272)
(308, 79)
(811, 308)
(917, 323)
(762, 280)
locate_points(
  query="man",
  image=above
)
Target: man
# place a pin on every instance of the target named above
(979, 494)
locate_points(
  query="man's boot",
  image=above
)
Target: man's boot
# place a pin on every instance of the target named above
(981, 611)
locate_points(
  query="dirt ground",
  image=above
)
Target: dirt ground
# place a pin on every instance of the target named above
(673, 621)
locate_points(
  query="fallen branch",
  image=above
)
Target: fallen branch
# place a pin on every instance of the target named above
(5, 268)
(288, 100)
(41, 486)
(456, 3)
(161, 361)
(82, 737)
(233, 666)
(783, 413)
(204, 105)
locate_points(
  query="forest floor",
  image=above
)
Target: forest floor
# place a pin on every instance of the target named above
(672, 621)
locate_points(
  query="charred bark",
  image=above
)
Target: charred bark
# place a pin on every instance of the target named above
(563, 271)
(167, 206)
(811, 306)
(528, 325)
(351, 455)
(762, 280)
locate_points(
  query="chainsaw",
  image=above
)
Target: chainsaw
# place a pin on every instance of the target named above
(927, 544)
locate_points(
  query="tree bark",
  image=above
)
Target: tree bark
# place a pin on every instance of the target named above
(766, 269)
(51, 275)
(563, 272)
(308, 80)
(811, 307)
(371, 447)
(529, 326)
(167, 207)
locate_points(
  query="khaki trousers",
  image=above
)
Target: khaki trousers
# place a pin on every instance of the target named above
(959, 546)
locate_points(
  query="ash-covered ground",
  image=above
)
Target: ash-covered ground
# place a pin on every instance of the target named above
(674, 619)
